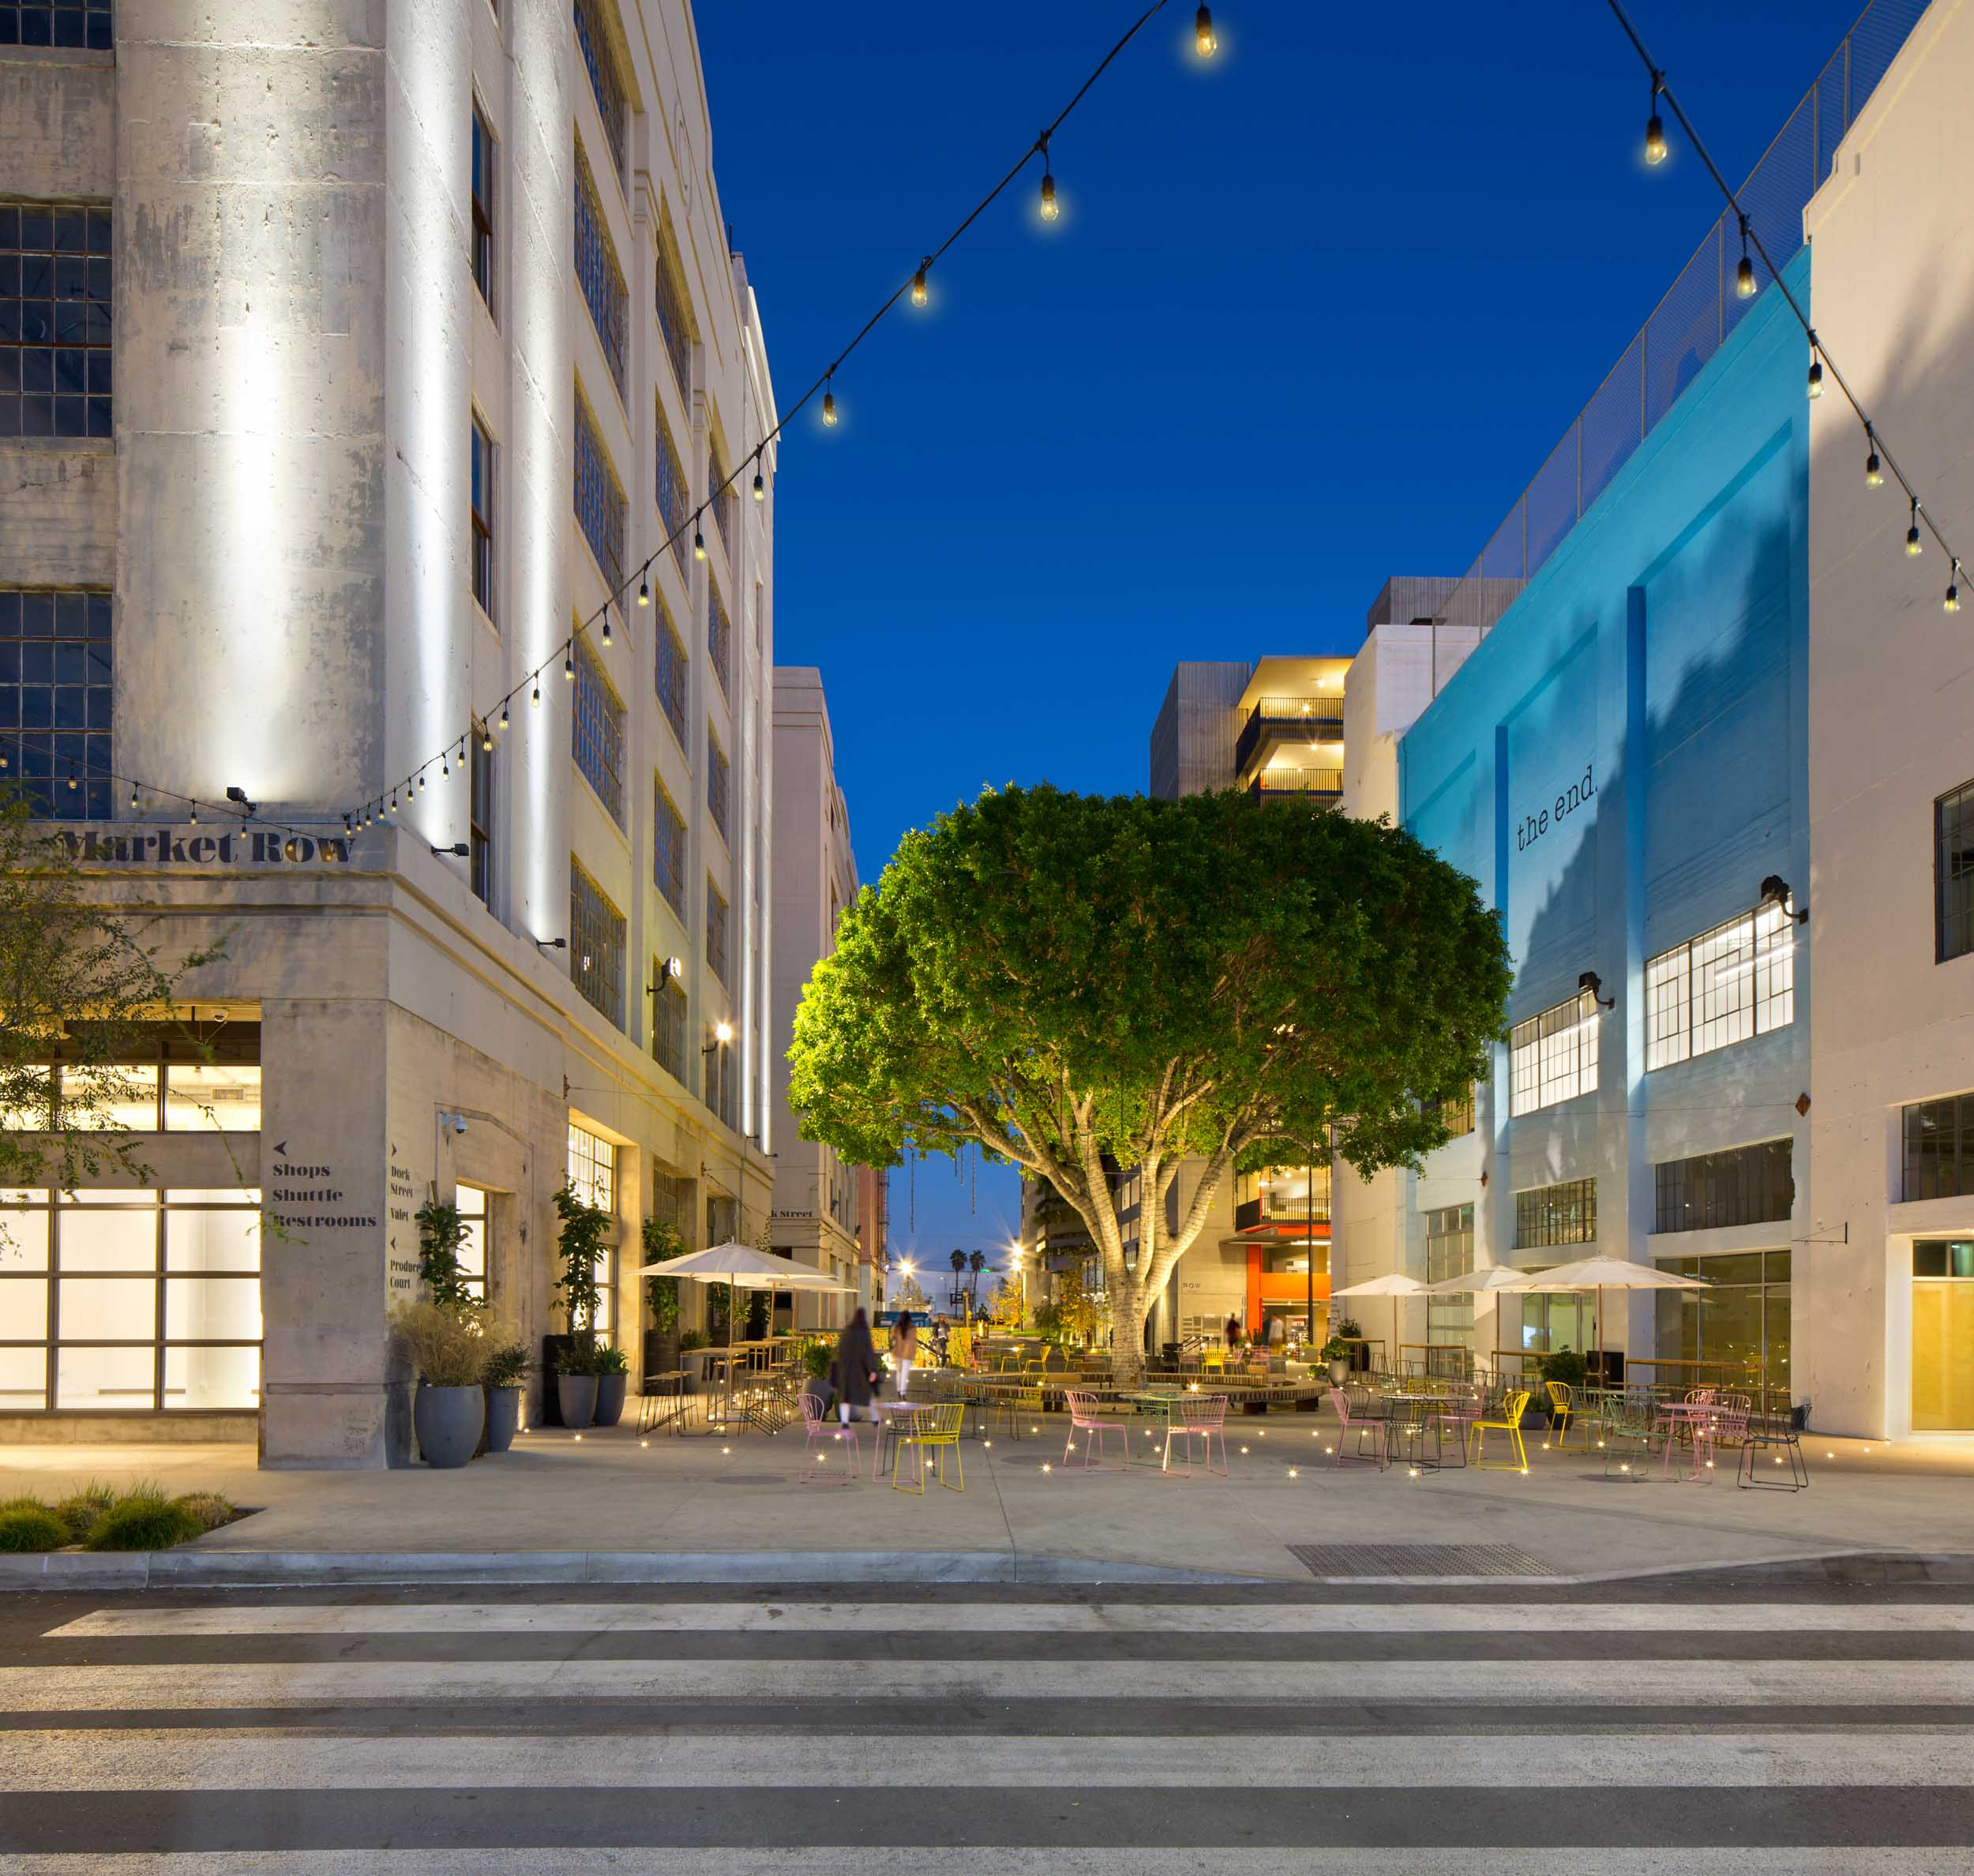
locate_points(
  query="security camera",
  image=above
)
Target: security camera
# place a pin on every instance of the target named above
(456, 1122)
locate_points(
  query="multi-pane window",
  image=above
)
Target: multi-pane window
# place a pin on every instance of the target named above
(482, 518)
(1449, 1253)
(716, 934)
(1456, 1116)
(719, 639)
(113, 1302)
(674, 502)
(674, 322)
(1729, 984)
(668, 1024)
(599, 59)
(1953, 873)
(718, 782)
(1556, 1214)
(159, 1078)
(596, 267)
(722, 497)
(483, 148)
(1553, 1055)
(54, 320)
(722, 1081)
(471, 1203)
(1737, 1329)
(599, 499)
(73, 22)
(1743, 1185)
(669, 675)
(592, 1175)
(54, 701)
(668, 850)
(1939, 1148)
(599, 731)
(480, 817)
(596, 944)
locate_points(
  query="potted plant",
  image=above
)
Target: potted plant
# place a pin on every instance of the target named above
(612, 1369)
(576, 1382)
(1350, 1332)
(581, 1249)
(503, 1373)
(449, 1408)
(661, 1298)
(1335, 1354)
(691, 1358)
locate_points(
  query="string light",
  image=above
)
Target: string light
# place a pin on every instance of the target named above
(1655, 128)
(918, 284)
(1816, 370)
(699, 550)
(1874, 475)
(1204, 43)
(760, 487)
(486, 741)
(829, 406)
(1951, 602)
(1744, 274)
(568, 663)
(195, 814)
(606, 632)
(503, 713)
(643, 588)
(1049, 207)
(72, 778)
(536, 699)
(133, 786)
(1912, 543)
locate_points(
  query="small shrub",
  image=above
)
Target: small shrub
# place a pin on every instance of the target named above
(506, 1361)
(80, 1510)
(141, 1520)
(26, 1525)
(611, 1360)
(209, 1508)
(692, 1339)
(442, 1345)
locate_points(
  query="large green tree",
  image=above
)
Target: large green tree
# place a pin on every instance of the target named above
(1081, 984)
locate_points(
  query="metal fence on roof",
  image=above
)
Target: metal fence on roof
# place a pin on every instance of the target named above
(1693, 319)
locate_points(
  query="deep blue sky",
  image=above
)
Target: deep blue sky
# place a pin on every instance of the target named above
(1314, 313)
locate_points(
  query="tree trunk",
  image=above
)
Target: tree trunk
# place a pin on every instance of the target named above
(1128, 1307)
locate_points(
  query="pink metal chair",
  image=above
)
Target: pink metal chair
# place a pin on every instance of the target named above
(1363, 1424)
(1201, 1417)
(1726, 1426)
(1086, 1418)
(820, 1429)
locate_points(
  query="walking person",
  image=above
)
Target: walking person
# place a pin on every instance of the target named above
(904, 1350)
(855, 1372)
(1233, 1332)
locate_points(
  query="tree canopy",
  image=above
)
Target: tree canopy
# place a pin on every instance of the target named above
(1085, 984)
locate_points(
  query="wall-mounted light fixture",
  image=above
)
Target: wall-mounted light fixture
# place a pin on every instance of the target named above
(238, 797)
(457, 850)
(722, 1034)
(552, 943)
(1590, 984)
(1775, 891)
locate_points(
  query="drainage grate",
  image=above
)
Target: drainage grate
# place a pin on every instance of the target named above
(747, 1479)
(1360, 1561)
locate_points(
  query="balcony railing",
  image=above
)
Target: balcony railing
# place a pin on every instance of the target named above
(1297, 785)
(1253, 1212)
(1311, 719)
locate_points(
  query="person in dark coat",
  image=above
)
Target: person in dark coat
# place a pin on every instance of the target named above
(855, 1371)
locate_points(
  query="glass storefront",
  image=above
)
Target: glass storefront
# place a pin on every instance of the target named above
(1450, 1253)
(1942, 1335)
(1736, 1329)
(131, 1301)
(592, 1175)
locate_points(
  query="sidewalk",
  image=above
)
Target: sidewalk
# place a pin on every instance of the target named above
(610, 1507)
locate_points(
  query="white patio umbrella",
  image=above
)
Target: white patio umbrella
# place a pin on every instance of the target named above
(741, 1266)
(1600, 1274)
(1392, 1286)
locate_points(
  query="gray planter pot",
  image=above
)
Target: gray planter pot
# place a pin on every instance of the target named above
(576, 1396)
(503, 1417)
(447, 1421)
(610, 1398)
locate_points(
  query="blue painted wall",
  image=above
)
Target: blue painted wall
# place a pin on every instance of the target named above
(1620, 763)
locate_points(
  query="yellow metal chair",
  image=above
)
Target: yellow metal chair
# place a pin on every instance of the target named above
(1213, 1361)
(1509, 1423)
(937, 1433)
(1562, 1409)
(1017, 1408)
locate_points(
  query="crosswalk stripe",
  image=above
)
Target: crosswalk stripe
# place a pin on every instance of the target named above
(1301, 1617)
(1700, 1684)
(61, 1761)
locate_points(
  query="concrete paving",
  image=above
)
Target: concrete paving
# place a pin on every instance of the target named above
(610, 1505)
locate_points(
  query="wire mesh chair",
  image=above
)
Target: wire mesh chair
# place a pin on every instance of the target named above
(1509, 1421)
(935, 1431)
(1776, 1437)
(1016, 1407)
(1630, 1418)
(1087, 1416)
(1362, 1425)
(1201, 1418)
(819, 1430)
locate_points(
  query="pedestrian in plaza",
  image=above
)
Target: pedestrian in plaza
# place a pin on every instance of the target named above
(1233, 1331)
(855, 1372)
(904, 1350)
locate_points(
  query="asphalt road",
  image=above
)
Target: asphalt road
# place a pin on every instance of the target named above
(1746, 1726)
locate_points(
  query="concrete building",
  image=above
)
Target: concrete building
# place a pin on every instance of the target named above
(820, 1215)
(1885, 1268)
(425, 333)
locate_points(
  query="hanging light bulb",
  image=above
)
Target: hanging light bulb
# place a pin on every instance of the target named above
(536, 699)
(1204, 43)
(606, 629)
(1912, 541)
(1874, 475)
(503, 713)
(918, 282)
(699, 542)
(392, 808)
(760, 487)
(133, 786)
(1655, 125)
(1049, 208)
(347, 828)
(1744, 273)
(1951, 603)
(1816, 378)
(643, 588)
(195, 814)
(487, 739)
(829, 404)
(446, 768)
(463, 754)
(421, 781)
(568, 663)
(72, 780)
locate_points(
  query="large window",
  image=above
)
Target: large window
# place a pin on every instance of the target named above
(719, 639)
(482, 518)
(1556, 1214)
(719, 783)
(471, 1203)
(599, 499)
(111, 1301)
(674, 505)
(55, 700)
(1450, 1253)
(480, 817)
(54, 320)
(599, 60)
(668, 1023)
(599, 731)
(1953, 873)
(483, 149)
(1553, 1055)
(596, 267)
(668, 676)
(1456, 1116)
(668, 850)
(1737, 1329)
(1939, 1148)
(1732, 982)
(83, 23)
(716, 936)
(159, 1077)
(596, 939)
(674, 322)
(1745, 1185)
(592, 1175)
